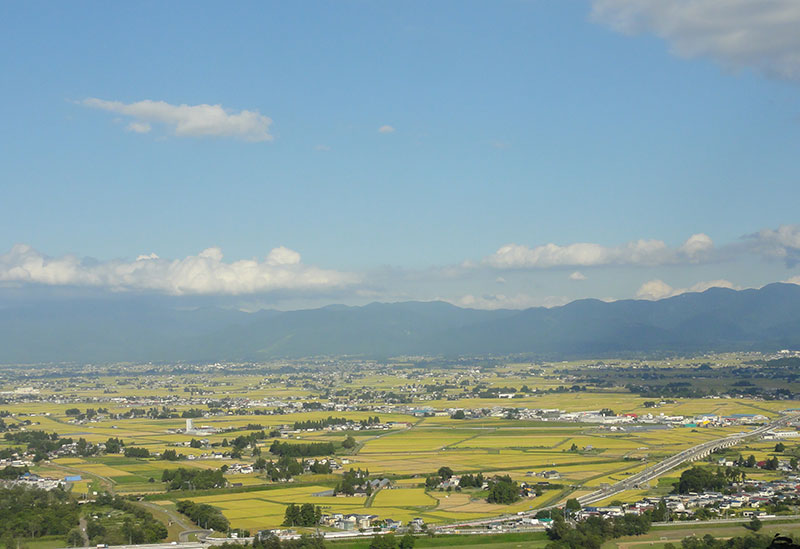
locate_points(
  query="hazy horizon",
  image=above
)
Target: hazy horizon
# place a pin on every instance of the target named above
(503, 155)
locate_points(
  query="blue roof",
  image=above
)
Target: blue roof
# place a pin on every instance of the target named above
(73, 478)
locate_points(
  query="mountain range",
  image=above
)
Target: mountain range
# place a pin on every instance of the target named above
(85, 330)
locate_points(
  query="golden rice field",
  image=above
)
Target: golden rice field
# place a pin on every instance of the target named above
(410, 451)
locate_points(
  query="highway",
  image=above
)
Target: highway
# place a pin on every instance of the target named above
(690, 454)
(642, 477)
(630, 483)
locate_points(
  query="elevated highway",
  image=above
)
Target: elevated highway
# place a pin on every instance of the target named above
(650, 473)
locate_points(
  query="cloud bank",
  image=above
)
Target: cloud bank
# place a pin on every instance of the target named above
(502, 301)
(583, 254)
(204, 273)
(782, 243)
(758, 34)
(658, 289)
(189, 120)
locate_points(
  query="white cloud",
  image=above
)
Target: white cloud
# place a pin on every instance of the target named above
(138, 127)
(386, 129)
(793, 280)
(190, 120)
(758, 34)
(205, 273)
(782, 243)
(697, 246)
(283, 256)
(583, 254)
(501, 301)
(577, 275)
(658, 289)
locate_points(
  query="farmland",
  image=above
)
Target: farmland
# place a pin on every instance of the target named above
(524, 420)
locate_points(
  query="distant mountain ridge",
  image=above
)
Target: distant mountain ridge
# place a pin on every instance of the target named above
(103, 331)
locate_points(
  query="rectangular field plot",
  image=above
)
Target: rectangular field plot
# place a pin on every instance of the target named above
(403, 497)
(412, 441)
(515, 441)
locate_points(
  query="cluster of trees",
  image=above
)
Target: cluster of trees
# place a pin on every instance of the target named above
(9, 472)
(320, 468)
(302, 515)
(503, 490)
(700, 479)
(84, 448)
(138, 525)
(390, 541)
(772, 464)
(243, 441)
(285, 468)
(443, 474)
(302, 450)
(194, 479)
(322, 423)
(193, 413)
(170, 455)
(271, 541)
(750, 541)
(351, 480)
(349, 442)
(134, 452)
(88, 414)
(592, 532)
(114, 446)
(34, 513)
(40, 443)
(203, 515)
(471, 481)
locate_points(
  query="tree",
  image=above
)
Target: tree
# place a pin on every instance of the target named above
(754, 524)
(445, 472)
(751, 461)
(459, 414)
(780, 447)
(572, 506)
(407, 541)
(699, 479)
(793, 463)
(307, 515)
(75, 538)
(503, 490)
(349, 442)
(292, 515)
(661, 513)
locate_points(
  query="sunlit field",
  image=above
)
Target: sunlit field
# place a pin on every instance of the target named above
(415, 439)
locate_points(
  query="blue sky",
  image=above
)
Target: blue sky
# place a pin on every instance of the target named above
(357, 151)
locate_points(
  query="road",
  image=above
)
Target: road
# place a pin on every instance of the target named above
(642, 477)
(187, 528)
(650, 473)
(690, 454)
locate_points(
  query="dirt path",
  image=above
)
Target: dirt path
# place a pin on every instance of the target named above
(82, 526)
(174, 521)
